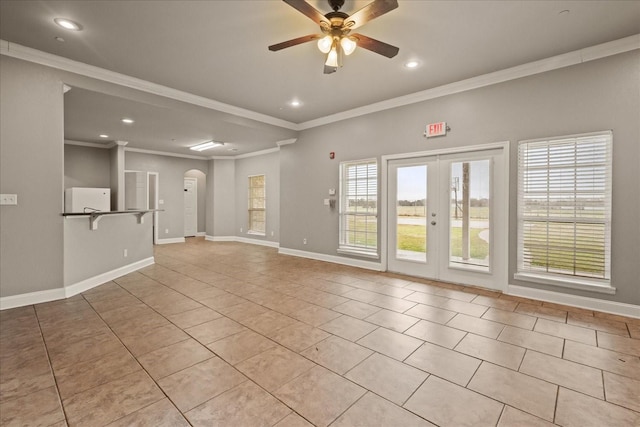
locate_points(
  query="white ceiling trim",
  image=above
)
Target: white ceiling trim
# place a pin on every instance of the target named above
(184, 156)
(43, 58)
(89, 144)
(286, 142)
(553, 63)
(165, 153)
(246, 155)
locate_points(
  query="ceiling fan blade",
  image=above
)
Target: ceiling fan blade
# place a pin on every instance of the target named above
(294, 42)
(376, 46)
(307, 10)
(369, 12)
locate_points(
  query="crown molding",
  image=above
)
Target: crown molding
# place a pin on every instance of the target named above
(164, 153)
(88, 144)
(548, 64)
(54, 61)
(257, 153)
(552, 63)
(286, 142)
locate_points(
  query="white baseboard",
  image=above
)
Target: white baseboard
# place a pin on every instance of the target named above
(613, 307)
(352, 262)
(38, 297)
(220, 238)
(242, 240)
(258, 242)
(171, 240)
(94, 281)
(71, 290)
(201, 233)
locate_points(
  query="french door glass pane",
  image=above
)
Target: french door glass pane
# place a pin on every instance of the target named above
(470, 214)
(411, 215)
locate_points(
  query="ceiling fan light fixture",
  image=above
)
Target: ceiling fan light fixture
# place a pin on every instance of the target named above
(332, 57)
(206, 146)
(348, 45)
(325, 43)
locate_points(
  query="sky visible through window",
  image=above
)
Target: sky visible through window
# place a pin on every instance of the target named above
(414, 180)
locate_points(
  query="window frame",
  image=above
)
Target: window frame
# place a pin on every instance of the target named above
(250, 209)
(525, 270)
(366, 250)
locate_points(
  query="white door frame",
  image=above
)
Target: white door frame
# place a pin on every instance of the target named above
(384, 224)
(195, 186)
(156, 179)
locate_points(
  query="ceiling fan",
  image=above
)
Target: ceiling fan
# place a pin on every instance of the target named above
(336, 39)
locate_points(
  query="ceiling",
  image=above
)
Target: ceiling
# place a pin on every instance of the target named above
(218, 50)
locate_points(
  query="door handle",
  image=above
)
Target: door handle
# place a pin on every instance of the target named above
(433, 223)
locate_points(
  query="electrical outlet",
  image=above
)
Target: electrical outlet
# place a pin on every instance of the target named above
(161, 202)
(241, 229)
(271, 233)
(304, 241)
(124, 253)
(166, 231)
(8, 199)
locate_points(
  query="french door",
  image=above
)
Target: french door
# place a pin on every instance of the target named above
(447, 217)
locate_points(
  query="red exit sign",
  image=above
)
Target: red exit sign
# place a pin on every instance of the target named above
(436, 129)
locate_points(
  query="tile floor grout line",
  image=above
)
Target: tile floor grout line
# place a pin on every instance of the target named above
(246, 274)
(135, 358)
(504, 409)
(55, 380)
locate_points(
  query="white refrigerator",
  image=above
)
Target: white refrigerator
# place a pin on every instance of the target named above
(86, 200)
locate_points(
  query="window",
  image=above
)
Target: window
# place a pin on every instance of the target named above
(359, 207)
(564, 210)
(257, 204)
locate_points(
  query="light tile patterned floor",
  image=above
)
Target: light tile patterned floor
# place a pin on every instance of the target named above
(228, 334)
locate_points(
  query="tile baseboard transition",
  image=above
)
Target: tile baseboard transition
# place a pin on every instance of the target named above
(242, 240)
(38, 297)
(612, 307)
(171, 240)
(352, 262)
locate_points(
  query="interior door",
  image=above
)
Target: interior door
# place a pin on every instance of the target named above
(190, 207)
(447, 218)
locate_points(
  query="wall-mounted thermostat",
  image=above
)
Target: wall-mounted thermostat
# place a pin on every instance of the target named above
(332, 191)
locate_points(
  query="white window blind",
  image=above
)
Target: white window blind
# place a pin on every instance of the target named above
(564, 207)
(359, 206)
(257, 204)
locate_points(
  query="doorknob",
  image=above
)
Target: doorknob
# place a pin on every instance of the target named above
(433, 223)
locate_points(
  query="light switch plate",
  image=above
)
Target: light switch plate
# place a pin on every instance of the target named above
(326, 202)
(8, 199)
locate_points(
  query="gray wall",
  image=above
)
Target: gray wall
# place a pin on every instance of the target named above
(88, 253)
(201, 177)
(269, 166)
(31, 166)
(224, 215)
(86, 167)
(171, 172)
(593, 96)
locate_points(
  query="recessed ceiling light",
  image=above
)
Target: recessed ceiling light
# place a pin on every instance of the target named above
(295, 103)
(104, 136)
(206, 145)
(411, 64)
(68, 24)
(127, 121)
